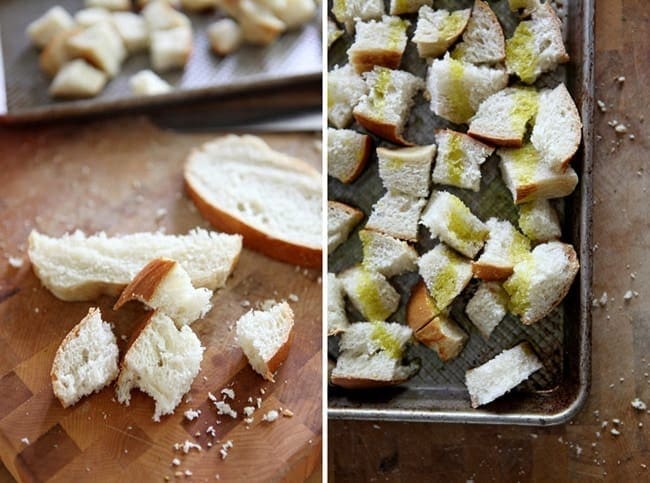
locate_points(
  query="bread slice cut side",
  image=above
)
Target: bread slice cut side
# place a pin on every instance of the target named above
(406, 170)
(487, 307)
(385, 254)
(347, 153)
(437, 30)
(539, 221)
(504, 248)
(86, 360)
(370, 293)
(341, 220)
(444, 336)
(378, 43)
(445, 274)
(397, 215)
(337, 319)
(483, 40)
(241, 185)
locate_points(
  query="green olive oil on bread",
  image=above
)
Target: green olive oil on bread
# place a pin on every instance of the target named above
(386, 341)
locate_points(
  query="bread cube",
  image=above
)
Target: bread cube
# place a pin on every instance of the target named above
(459, 160)
(539, 221)
(378, 43)
(407, 170)
(56, 53)
(100, 45)
(400, 7)
(370, 293)
(504, 248)
(337, 319)
(171, 49)
(483, 39)
(347, 12)
(445, 273)
(53, 22)
(444, 336)
(160, 15)
(147, 83)
(133, 30)
(344, 89)
(77, 79)
(385, 254)
(87, 17)
(397, 215)
(225, 36)
(347, 153)
(487, 307)
(341, 220)
(436, 30)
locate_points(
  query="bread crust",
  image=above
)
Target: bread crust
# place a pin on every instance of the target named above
(365, 60)
(363, 159)
(358, 383)
(279, 357)
(146, 282)
(496, 140)
(431, 336)
(558, 188)
(384, 130)
(490, 272)
(419, 308)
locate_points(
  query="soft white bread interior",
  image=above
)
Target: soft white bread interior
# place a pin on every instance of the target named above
(53, 22)
(79, 267)
(133, 30)
(164, 285)
(483, 39)
(148, 83)
(369, 292)
(171, 49)
(385, 109)
(539, 221)
(459, 160)
(294, 13)
(56, 54)
(347, 12)
(397, 215)
(347, 153)
(91, 15)
(77, 79)
(536, 46)
(449, 219)
(487, 307)
(100, 45)
(109, 4)
(333, 32)
(225, 36)
(400, 7)
(541, 281)
(385, 254)
(457, 88)
(505, 247)
(378, 43)
(265, 337)
(499, 375)
(371, 356)
(443, 335)
(445, 274)
(406, 170)
(337, 319)
(160, 15)
(502, 118)
(341, 220)
(344, 89)
(241, 185)
(86, 360)
(162, 361)
(524, 6)
(436, 30)
(260, 26)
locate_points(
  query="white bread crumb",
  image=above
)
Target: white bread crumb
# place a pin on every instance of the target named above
(249, 410)
(224, 408)
(25, 441)
(15, 262)
(271, 416)
(191, 414)
(187, 446)
(636, 404)
(226, 391)
(176, 462)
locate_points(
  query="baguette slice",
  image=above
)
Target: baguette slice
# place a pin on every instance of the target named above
(487, 307)
(447, 218)
(504, 248)
(344, 89)
(241, 185)
(347, 153)
(497, 376)
(385, 254)
(397, 215)
(341, 220)
(459, 160)
(541, 281)
(536, 45)
(436, 30)
(370, 293)
(380, 43)
(445, 274)
(420, 308)
(164, 285)
(539, 221)
(347, 12)
(384, 110)
(77, 79)
(148, 83)
(443, 335)
(483, 39)
(503, 117)
(79, 267)
(400, 7)
(265, 337)
(86, 360)
(337, 319)
(100, 45)
(406, 170)
(52, 23)
(371, 356)
(458, 88)
(161, 361)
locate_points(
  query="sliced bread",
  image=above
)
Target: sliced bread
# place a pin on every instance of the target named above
(400, 7)
(385, 254)
(539, 221)
(483, 40)
(379, 43)
(86, 360)
(443, 335)
(487, 307)
(397, 215)
(436, 30)
(241, 185)
(347, 153)
(79, 267)
(420, 308)
(459, 160)
(337, 319)
(344, 89)
(265, 337)
(370, 293)
(406, 170)
(505, 247)
(347, 12)
(341, 220)
(445, 274)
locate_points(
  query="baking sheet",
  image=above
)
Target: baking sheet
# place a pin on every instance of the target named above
(295, 56)
(437, 392)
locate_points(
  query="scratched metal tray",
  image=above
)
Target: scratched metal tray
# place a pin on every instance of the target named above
(562, 340)
(296, 56)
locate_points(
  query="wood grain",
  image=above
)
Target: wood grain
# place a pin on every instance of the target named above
(125, 175)
(367, 451)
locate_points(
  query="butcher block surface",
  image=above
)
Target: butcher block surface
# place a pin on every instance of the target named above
(124, 176)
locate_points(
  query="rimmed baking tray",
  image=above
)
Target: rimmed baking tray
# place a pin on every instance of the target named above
(295, 57)
(437, 394)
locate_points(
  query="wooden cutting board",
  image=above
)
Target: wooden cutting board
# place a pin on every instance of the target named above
(123, 176)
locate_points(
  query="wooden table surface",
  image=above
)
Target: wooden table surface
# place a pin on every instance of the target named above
(371, 451)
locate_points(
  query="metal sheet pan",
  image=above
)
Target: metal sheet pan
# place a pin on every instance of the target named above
(295, 57)
(437, 393)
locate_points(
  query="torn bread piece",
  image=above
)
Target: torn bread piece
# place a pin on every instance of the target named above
(148, 83)
(499, 375)
(378, 43)
(344, 89)
(436, 30)
(225, 36)
(347, 153)
(341, 220)
(369, 292)
(260, 26)
(100, 45)
(265, 337)
(459, 160)
(171, 49)
(483, 40)
(52, 23)
(77, 79)
(445, 274)
(400, 7)
(487, 307)
(420, 308)
(505, 247)
(162, 361)
(443, 335)
(539, 221)
(449, 219)
(541, 281)
(536, 46)
(371, 356)
(337, 319)
(333, 32)
(457, 88)
(164, 285)
(529, 177)
(397, 215)
(86, 360)
(385, 109)
(503, 118)
(77, 267)
(407, 170)
(347, 12)
(133, 30)
(385, 254)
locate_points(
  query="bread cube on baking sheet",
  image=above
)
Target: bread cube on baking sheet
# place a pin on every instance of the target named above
(77, 79)
(53, 22)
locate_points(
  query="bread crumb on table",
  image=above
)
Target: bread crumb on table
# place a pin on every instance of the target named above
(187, 446)
(293, 297)
(271, 416)
(224, 449)
(228, 392)
(25, 441)
(15, 262)
(638, 404)
(176, 462)
(191, 414)
(601, 106)
(224, 408)
(615, 431)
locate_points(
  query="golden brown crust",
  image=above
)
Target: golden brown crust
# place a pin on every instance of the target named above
(558, 187)
(49, 60)
(355, 212)
(365, 60)
(141, 324)
(420, 309)
(496, 140)
(489, 272)
(431, 336)
(357, 383)
(279, 357)
(390, 132)
(146, 282)
(362, 160)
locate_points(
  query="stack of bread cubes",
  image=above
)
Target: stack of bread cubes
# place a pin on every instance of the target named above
(485, 103)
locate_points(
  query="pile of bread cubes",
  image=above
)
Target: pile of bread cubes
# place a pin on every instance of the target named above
(81, 53)
(484, 86)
